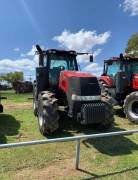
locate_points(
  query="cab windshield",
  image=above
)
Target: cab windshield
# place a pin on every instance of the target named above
(65, 62)
(132, 67)
(113, 68)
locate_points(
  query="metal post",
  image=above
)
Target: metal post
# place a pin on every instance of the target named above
(77, 154)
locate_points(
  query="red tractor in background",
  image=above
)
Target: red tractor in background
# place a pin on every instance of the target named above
(120, 81)
(23, 87)
(59, 86)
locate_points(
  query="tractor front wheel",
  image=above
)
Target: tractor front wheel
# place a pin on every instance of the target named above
(47, 113)
(109, 115)
(131, 107)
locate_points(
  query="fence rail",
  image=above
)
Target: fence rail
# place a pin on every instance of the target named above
(74, 138)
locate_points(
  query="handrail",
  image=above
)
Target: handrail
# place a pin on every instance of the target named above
(74, 138)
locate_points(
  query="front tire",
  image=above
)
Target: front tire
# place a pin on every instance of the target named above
(109, 115)
(131, 107)
(47, 113)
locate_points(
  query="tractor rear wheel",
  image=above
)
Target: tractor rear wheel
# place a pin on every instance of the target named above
(47, 113)
(109, 115)
(34, 100)
(131, 107)
(34, 107)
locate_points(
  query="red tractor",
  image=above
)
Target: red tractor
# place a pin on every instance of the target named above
(23, 87)
(59, 86)
(120, 81)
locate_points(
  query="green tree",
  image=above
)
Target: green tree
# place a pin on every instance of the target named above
(132, 45)
(13, 77)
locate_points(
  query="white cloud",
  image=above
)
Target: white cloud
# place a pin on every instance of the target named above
(9, 65)
(31, 52)
(93, 68)
(97, 52)
(131, 6)
(25, 63)
(85, 58)
(16, 49)
(82, 41)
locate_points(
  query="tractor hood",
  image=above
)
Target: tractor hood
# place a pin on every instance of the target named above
(79, 83)
(80, 88)
(70, 74)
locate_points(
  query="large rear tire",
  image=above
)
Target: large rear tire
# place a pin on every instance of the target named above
(109, 115)
(47, 113)
(131, 107)
(35, 109)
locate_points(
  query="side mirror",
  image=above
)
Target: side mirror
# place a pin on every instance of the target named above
(91, 58)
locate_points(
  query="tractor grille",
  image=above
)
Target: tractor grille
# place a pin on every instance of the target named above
(93, 113)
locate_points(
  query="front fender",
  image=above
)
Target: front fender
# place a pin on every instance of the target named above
(107, 80)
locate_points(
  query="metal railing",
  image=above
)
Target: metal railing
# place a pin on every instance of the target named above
(74, 138)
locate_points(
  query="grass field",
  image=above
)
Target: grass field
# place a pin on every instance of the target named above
(110, 158)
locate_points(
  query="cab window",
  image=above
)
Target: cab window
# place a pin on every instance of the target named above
(113, 68)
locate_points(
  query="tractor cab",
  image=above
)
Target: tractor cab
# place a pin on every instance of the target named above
(58, 61)
(51, 63)
(130, 66)
(124, 67)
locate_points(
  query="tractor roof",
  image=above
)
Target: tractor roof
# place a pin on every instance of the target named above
(58, 51)
(126, 58)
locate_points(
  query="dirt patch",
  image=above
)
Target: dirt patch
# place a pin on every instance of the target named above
(58, 170)
(14, 106)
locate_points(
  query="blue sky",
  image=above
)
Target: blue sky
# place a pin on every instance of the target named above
(102, 27)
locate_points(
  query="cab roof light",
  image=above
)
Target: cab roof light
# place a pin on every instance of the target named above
(72, 52)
